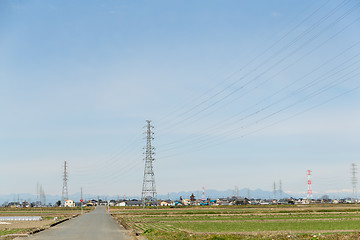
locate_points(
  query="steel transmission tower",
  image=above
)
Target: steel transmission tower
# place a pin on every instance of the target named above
(65, 193)
(149, 196)
(203, 194)
(274, 190)
(309, 190)
(280, 189)
(354, 180)
(236, 191)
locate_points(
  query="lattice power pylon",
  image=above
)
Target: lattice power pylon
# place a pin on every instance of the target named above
(309, 190)
(149, 196)
(354, 180)
(65, 193)
(203, 195)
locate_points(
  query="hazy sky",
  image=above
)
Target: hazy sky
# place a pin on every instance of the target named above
(241, 93)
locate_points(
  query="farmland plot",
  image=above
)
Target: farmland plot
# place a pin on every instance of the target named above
(47, 215)
(244, 222)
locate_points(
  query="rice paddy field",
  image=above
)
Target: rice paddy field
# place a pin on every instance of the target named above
(244, 222)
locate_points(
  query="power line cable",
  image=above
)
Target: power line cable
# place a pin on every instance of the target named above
(320, 45)
(256, 112)
(255, 58)
(232, 132)
(182, 121)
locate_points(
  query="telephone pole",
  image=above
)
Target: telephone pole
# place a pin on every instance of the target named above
(149, 195)
(65, 193)
(81, 200)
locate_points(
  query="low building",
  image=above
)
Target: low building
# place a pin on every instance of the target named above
(186, 202)
(120, 204)
(167, 203)
(69, 203)
(134, 203)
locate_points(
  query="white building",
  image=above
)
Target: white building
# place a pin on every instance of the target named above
(121, 204)
(69, 203)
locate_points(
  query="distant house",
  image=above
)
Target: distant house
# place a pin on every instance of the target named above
(177, 203)
(303, 201)
(212, 202)
(186, 202)
(121, 204)
(69, 203)
(222, 201)
(167, 203)
(133, 203)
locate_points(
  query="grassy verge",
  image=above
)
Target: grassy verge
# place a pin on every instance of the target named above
(14, 231)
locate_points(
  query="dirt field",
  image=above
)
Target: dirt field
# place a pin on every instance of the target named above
(25, 224)
(26, 227)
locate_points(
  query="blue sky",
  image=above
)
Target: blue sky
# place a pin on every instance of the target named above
(241, 93)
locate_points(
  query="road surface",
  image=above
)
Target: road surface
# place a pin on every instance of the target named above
(90, 226)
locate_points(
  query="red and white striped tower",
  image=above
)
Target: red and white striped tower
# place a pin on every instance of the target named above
(203, 195)
(309, 191)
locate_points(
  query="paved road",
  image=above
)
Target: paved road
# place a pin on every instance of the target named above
(90, 226)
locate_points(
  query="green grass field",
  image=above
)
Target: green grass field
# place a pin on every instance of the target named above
(244, 222)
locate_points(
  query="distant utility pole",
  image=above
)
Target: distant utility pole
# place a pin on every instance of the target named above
(248, 193)
(81, 200)
(309, 191)
(274, 190)
(354, 180)
(65, 193)
(149, 195)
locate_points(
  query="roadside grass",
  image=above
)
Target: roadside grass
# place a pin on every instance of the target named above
(13, 231)
(7, 210)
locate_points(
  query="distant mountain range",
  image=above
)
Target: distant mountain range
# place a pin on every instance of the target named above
(210, 193)
(248, 193)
